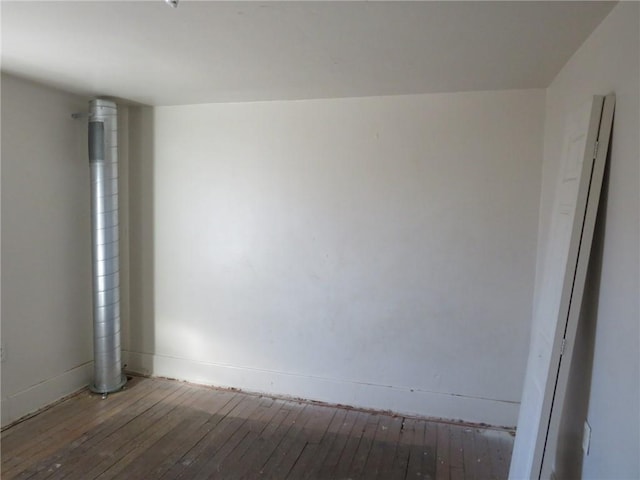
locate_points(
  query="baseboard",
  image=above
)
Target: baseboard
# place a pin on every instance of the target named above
(25, 402)
(397, 399)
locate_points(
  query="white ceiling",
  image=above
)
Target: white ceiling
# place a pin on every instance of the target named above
(205, 52)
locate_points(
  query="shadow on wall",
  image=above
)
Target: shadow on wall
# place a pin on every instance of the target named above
(569, 456)
(141, 239)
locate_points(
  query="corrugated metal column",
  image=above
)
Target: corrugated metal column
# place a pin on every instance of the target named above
(103, 159)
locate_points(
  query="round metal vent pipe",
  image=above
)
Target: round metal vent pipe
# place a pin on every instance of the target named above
(103, 159)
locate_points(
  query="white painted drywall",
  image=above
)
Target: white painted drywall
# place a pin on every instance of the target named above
(141, 234)
(46, 247)
(248, 51)
(606, 368)
(376, 251)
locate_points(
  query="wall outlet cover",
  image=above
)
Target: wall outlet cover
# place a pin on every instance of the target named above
(586, 437)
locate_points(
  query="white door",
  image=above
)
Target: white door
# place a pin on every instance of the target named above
(557, 308)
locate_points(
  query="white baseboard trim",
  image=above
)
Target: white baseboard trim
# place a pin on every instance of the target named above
(35, 397)
(400, 400)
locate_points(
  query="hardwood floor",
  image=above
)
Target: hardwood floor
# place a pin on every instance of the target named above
(163, 429)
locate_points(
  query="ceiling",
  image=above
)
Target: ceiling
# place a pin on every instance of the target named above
(203, 52)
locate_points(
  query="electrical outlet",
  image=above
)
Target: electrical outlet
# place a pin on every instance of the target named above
(3, 353)
(586, 438)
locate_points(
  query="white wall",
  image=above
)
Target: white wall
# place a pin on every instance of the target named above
(375, 251)
(605, 385)
(46, 256)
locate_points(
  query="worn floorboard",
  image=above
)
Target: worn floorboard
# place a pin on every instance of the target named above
(163, 429)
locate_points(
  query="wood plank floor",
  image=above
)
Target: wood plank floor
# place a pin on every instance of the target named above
(163, 429)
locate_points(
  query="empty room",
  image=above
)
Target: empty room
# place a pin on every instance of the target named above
(318, 239)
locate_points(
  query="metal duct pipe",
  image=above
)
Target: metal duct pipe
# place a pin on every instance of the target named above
(103, 159)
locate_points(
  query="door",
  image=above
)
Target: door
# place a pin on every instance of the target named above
(557, 309)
